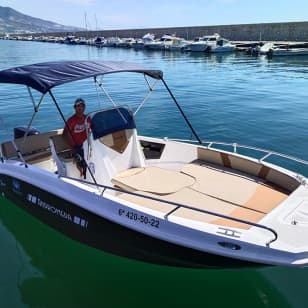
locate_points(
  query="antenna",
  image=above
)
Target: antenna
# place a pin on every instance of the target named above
(85, 22)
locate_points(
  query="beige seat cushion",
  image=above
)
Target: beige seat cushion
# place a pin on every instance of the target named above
(158, 206)
(221, 184)
(32, 148)
(194, 199)
(234, 188)
(117, 140)
(265, 199)
(153, 179)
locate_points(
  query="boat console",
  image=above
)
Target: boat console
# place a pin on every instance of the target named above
(112, 144)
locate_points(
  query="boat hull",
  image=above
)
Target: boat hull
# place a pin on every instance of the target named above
(95, 231)
(199, 47)
(288, 52)
(112, 226)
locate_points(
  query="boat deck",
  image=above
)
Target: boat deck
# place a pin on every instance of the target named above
(203, 186)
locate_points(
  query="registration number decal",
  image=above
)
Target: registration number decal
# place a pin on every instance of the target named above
(140, 218)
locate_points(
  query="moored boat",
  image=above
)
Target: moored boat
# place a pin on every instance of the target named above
(286, 51)
(173, 201)
(212, 43)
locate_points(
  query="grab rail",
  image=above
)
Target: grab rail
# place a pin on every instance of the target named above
(236, 146)
(179, 205)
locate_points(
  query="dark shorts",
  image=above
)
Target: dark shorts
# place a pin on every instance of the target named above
(79, 158)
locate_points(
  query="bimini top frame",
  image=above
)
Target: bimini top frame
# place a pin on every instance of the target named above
(44, 76)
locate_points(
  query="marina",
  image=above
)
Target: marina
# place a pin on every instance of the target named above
(204, 44)
(229, 97)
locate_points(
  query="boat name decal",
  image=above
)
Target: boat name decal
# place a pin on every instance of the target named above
(52, 209)
(229, 232)
(139, 218)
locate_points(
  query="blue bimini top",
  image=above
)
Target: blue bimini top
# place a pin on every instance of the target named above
(44, 76)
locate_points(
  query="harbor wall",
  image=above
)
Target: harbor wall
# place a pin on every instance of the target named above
(285, 31)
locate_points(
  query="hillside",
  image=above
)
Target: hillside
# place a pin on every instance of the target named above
(12, 21)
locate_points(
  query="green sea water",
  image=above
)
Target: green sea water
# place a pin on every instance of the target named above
(42, 268)
(230, 98)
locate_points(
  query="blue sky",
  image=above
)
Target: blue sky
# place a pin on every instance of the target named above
(126, 14)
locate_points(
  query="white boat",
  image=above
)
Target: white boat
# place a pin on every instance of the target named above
(263, 50)
(70, 40)
(125, 42)
(112, 41)
(199, 44)
(221, 45)
(164, 43)
(178, 44)
(285, 51)
(175, 202)
(146, 39)
(212, 43)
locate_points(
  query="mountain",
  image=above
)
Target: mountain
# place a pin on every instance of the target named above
(12, 21)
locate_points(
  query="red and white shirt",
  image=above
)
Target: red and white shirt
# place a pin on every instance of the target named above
(77, 127)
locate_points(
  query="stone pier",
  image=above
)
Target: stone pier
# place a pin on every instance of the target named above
(284, 31)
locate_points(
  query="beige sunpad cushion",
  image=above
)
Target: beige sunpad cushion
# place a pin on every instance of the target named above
(162, 207)
(153, 179)
(197, 200)
(265, 199)
(185, 196)
(234, 188)
(221, 184)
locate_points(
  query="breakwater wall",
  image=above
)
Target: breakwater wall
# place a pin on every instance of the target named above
(285, 31)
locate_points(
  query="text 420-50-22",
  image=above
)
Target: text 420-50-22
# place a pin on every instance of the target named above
(140, 218)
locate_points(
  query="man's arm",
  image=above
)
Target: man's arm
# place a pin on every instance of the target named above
(67, 135)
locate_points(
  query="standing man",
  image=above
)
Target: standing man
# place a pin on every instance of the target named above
(75, 134)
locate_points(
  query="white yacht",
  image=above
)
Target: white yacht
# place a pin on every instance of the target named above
(141, 43)
(178, 44)
(168, 201)
(163, 43)
(112, 41)
(212, 43)
(125, 42)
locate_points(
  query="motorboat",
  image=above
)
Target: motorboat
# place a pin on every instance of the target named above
(99, 42)
(162, 200)
(287, 51)
(142, 42)
(199, 44)
(164, 43)
(221, 45)
(212, 43)
(178, 44)
(126, 42)
(70, 40)
(112, 41)
(263, 50)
